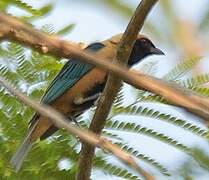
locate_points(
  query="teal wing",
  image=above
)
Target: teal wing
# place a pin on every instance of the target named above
(71, 73)
(68, 76)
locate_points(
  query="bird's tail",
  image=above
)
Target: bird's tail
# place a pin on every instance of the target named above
(21, 153)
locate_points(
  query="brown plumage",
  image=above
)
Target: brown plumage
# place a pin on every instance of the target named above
(82, 93)
(64, 103)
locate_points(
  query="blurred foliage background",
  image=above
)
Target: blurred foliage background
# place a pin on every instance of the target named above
(158, 132)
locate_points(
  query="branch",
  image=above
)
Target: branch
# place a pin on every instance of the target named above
(15, 30)
(112, 86)
(84, 135)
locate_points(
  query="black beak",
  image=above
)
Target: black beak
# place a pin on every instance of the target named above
(156, 51)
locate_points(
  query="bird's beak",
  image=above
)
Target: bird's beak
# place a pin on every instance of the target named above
(156, 51)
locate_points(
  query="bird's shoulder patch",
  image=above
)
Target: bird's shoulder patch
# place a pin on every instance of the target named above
(95, 46)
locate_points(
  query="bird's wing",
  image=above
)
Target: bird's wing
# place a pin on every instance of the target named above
(72, 72)
(68, 76)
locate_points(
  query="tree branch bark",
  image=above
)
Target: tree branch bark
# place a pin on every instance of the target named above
(112, 87)
(84, 135)
(15, 30)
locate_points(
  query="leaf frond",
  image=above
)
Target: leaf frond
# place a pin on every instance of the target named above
(136, 128)
(181, 69)
(152, 113)
(144, 157)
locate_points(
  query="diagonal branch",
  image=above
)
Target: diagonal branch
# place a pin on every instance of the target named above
(112, 86)
(84, 135)
(15, 30)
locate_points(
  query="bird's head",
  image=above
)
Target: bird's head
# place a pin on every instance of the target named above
(143, 47)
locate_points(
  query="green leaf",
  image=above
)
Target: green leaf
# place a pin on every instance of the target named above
(143, 157)
(152, 113)
(135, 128)
(45, 9)
(202, 91)
(66, 29)
(118, 171)
(181, 69)
(24, 6)
(195, 81)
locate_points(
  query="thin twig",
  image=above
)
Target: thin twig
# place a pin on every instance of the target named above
(15, 30)
(112, 87)
(84, 135)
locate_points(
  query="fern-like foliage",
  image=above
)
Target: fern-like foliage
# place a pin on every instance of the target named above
(134, 128)
(143, 157)
(35, 71)
(113, 170)
(151, 113)
(181, 69)
(32, 72)
(196, 81)
(33, 12)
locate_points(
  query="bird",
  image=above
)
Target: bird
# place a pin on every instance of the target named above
(77, 87)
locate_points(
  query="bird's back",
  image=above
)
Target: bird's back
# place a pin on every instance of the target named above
(74, 90)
